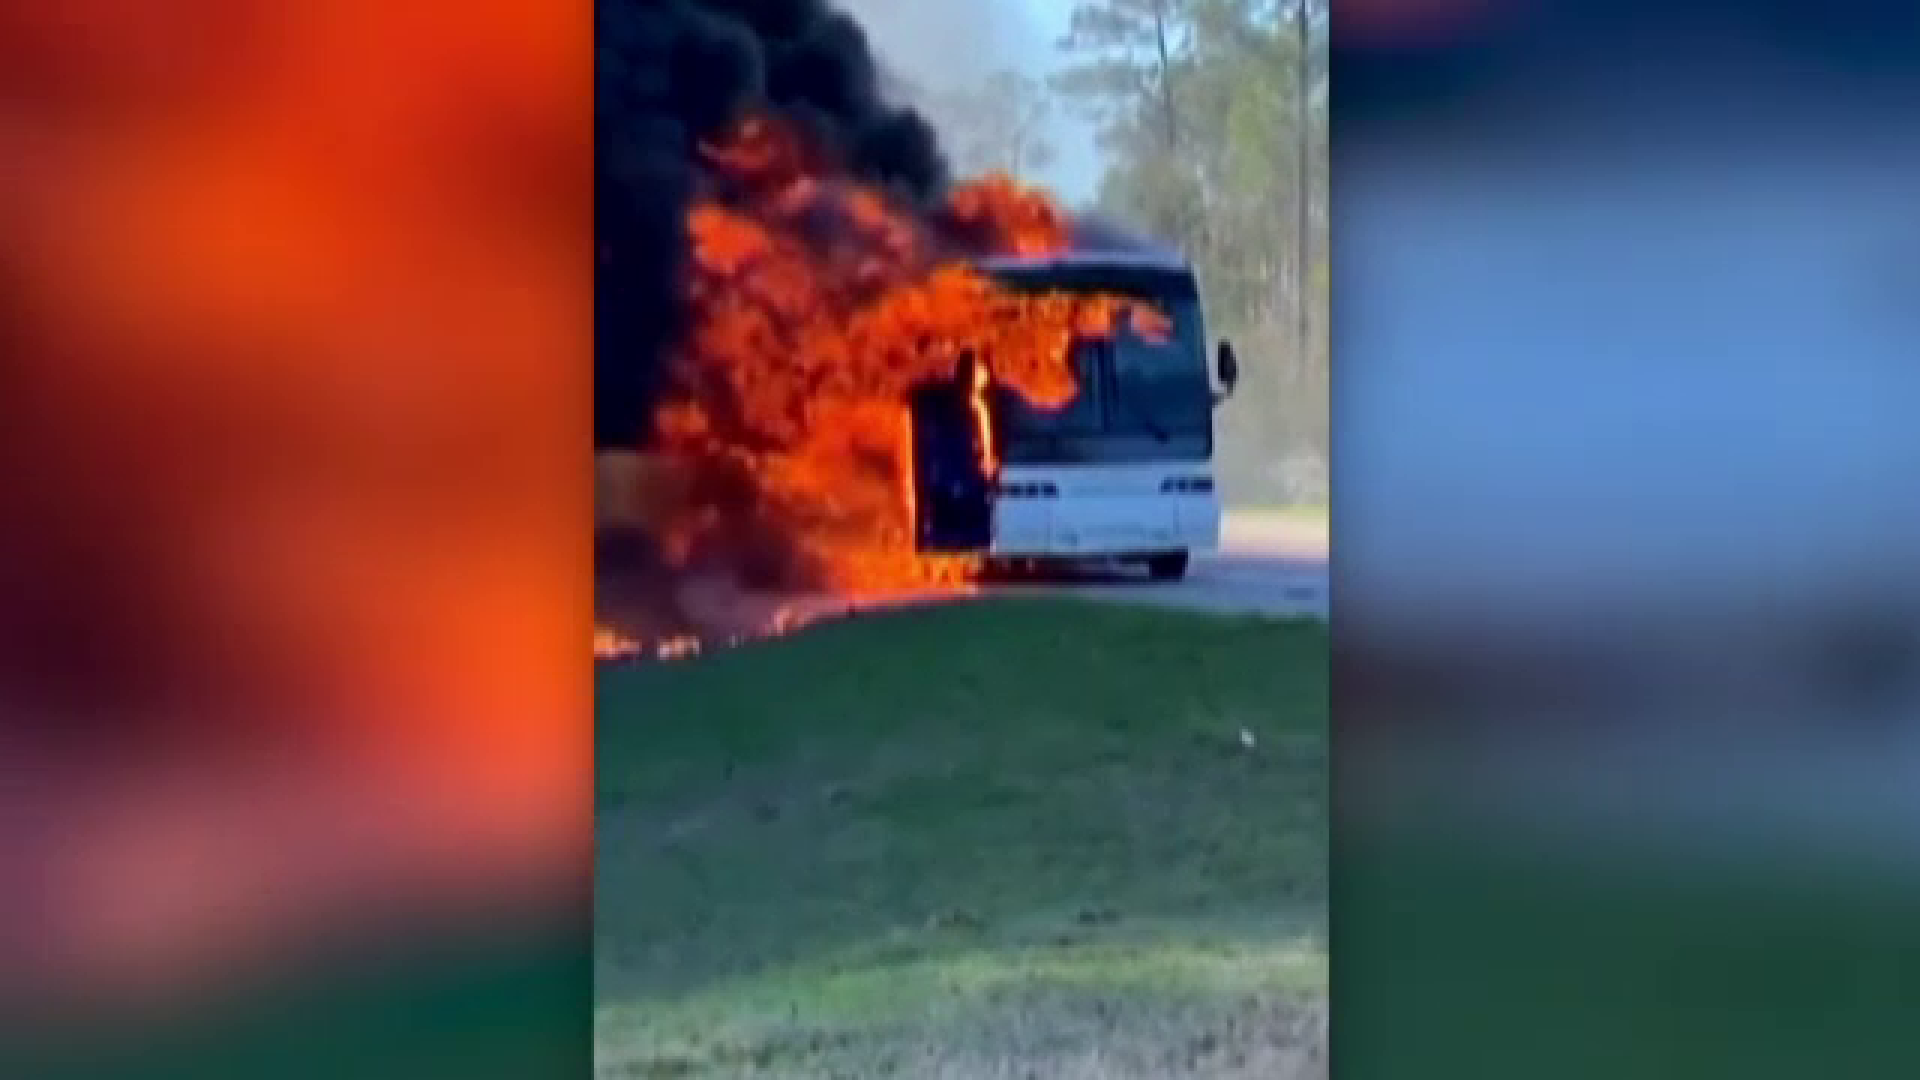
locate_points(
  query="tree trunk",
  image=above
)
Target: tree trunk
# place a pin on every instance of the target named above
(1166, 74)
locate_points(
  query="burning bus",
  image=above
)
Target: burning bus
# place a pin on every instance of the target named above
(1123, 470)
(870, 397)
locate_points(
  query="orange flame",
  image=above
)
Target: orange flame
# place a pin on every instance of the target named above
(818, 305)
(981, 406)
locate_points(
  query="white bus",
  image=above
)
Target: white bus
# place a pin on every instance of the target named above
(1123, 472)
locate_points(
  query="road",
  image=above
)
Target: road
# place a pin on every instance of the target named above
(1267, 565)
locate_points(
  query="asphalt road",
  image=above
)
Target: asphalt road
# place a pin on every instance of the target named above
(1267, 565)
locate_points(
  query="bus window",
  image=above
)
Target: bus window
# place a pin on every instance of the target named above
(1084, 414)
(1161, 372)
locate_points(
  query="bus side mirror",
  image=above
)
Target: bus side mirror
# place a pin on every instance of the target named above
(1227, 365)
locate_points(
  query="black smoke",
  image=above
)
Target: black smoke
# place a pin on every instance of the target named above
(674, 73)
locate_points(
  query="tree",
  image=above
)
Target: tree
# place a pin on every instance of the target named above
(1198, 110)
(997, 125)
(1126, 51)
(1126, 75)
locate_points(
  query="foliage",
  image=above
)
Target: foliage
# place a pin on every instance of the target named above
(1196, 104)
(997, 126)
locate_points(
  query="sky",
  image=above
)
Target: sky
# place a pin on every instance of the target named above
(946, 42)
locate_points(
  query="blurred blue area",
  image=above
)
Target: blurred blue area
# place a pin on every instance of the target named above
(1628, 563)
(1578, 373)
(1626, 338)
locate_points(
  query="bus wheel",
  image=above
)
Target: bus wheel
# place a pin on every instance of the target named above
(1167, 566)
(1015, 570)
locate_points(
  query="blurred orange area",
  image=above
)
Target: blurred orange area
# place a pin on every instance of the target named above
(292, 475)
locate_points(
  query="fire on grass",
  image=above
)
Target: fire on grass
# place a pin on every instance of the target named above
(818, 304)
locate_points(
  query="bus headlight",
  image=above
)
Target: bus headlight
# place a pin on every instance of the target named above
(1040, 490)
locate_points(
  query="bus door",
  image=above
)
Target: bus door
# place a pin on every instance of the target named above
(953, 495)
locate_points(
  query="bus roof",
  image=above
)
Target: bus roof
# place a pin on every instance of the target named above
(1132, 260)
(1098, 244)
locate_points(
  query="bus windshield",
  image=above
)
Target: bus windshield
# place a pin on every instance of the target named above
(1143, 394)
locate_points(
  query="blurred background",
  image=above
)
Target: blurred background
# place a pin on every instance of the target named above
(293, 700)
(1624, 652)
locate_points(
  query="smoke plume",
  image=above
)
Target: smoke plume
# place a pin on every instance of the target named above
(674, 74)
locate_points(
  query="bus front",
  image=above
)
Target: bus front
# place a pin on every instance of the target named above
(1123, 471)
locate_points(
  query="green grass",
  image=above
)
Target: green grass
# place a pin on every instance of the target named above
(1014, 837)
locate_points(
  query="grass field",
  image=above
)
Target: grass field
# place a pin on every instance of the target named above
(1017, 838)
